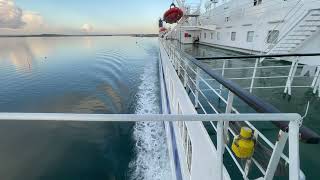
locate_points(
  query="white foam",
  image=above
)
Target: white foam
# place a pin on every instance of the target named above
(151, 161)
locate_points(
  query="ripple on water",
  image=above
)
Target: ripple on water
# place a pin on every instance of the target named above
(109, 65)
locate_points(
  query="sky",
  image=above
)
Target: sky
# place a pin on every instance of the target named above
(80, 16)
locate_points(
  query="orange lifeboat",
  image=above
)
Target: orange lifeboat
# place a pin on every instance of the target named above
(162, 29)
(173, 15)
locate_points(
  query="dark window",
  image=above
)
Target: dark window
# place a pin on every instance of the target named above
(273, 36)
(250, 35)
(257, 2)
(233, 36)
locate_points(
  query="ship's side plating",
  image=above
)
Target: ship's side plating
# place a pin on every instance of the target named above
(190, 147)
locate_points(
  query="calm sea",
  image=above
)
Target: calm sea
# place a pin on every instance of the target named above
(80, 75)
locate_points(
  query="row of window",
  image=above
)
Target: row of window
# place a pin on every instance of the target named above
(271, 38)
(186, 143)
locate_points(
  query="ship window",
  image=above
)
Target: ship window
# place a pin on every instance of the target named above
(205, 35)
(273, 36)
(211, 35)
(250, 36)
(180, 125)
(185, 137)
(218, 36)
(257, 2)
(189, 154)
(179, 109)
(227, 19)
(233, 36)
(187, 145)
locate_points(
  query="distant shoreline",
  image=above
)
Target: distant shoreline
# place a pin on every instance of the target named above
(84, 35)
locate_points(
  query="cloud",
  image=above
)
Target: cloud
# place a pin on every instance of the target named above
(87, 28)
(10, 15)
(33, 20)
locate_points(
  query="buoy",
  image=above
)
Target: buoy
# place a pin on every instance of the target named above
(172, 15)
(243, 144)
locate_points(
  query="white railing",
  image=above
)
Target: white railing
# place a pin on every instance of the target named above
(72, 117)
(195, 80)
(219, 118)
(285, 82)
(192, 9)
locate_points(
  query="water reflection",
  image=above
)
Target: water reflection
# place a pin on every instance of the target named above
(70, 75)
(19, 52)
(23, 53)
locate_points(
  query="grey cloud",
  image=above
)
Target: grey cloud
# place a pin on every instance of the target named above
(10, 15)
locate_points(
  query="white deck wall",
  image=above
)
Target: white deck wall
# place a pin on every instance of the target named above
(244, 17)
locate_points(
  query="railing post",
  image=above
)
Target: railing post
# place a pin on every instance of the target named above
(220, 149)
(176, 57)
(294, 158)
(254, 74)
(228, 111)
(179, 65)
(316, 82)
(276, 155)
(316, 77)
(196, 93)
(222, 74)
(291, 75)
(185, 79)
(174, 60)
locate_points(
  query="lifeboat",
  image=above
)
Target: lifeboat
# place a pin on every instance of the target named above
(162, 29)
(173, 15)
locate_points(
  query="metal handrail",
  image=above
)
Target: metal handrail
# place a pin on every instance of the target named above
(260, 56)
(306, 135)
(62, 117)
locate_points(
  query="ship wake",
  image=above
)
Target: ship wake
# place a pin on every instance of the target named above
(151, 161)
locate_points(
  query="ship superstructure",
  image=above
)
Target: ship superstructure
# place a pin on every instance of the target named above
(255, 26)
(267, 31)
(198, 154)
